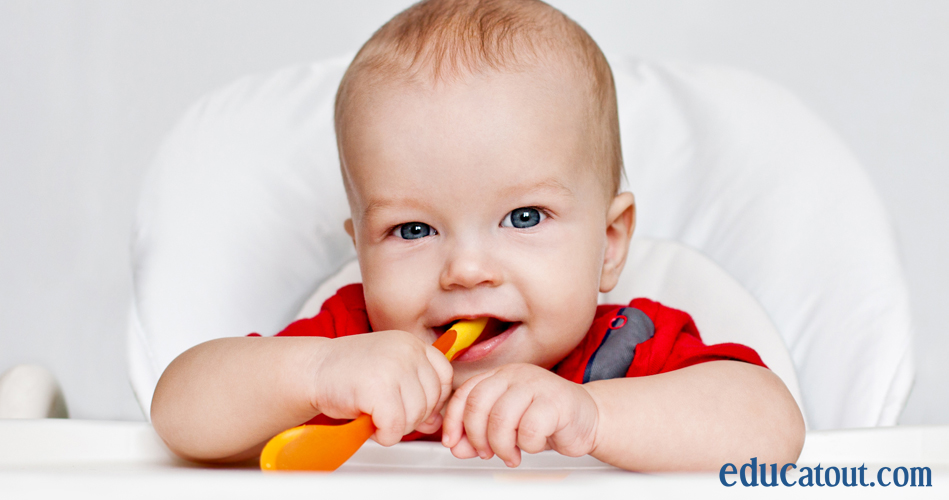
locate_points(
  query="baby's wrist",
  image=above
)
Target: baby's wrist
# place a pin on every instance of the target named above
(596, 405)
(313, 360)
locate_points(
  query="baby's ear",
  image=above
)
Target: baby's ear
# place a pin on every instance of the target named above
(620, 223)
(348, 226)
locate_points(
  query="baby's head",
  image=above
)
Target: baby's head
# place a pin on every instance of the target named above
(479, 144)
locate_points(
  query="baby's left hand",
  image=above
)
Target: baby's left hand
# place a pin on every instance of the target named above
(519, 407)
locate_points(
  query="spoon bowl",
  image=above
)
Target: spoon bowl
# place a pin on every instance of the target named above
(316, 447)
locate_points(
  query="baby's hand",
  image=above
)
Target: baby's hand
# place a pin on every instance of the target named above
(519, 407)
(392, 375)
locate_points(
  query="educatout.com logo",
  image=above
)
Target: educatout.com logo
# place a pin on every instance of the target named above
(768, 475)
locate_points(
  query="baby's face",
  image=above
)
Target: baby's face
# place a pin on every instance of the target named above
(480, 198)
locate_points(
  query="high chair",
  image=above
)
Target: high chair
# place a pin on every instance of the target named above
(752, 216)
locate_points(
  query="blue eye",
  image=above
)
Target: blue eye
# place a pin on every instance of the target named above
(415, 230)
(523, 218)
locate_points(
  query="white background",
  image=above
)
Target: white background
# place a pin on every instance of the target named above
(87, 90)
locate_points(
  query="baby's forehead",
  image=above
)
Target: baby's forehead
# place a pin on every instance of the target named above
(371, 89)
(437, 44)
(375, 83)
(529, 120)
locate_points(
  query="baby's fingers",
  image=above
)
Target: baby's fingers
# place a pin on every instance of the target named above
(444, 373)
(415, 403)
(537, 424)
(464, 449)
(432, 389)
(431, 425)
(453, 425)
(389, 418)
(478, 409)
(502, 425)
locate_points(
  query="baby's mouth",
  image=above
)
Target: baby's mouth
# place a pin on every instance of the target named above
(492, 329)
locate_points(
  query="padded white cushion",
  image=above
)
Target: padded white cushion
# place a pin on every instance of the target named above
(738, 168)
(241, 219)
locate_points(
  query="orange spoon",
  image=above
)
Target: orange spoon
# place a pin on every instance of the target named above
(326, 447)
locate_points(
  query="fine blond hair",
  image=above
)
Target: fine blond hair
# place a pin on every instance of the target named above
(440, 41)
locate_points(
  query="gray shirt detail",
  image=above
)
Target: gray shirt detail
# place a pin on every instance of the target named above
(615, 354)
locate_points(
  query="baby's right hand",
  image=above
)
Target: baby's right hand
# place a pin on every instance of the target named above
(392, 375)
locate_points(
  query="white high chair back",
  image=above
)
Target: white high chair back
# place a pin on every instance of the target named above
(241, 220)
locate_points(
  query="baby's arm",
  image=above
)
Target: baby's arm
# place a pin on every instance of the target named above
(222, 400)
(696, 418)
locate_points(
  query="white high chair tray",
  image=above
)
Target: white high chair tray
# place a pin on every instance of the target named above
(100, 459)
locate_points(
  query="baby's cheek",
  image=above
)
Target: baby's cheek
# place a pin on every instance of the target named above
(567, 307)
(394, 298)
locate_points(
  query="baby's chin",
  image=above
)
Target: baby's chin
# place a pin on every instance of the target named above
(466, 370)
(462, 375)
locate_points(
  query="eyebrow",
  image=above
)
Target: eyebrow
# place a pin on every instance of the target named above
(379, 204)
(550, 184)
(383, 203)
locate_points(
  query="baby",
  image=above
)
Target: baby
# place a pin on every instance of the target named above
(480, 150)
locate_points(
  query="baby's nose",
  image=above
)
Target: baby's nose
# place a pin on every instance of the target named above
(469, 268)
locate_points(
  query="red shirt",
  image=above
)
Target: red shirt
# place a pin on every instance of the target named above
(643, 338)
